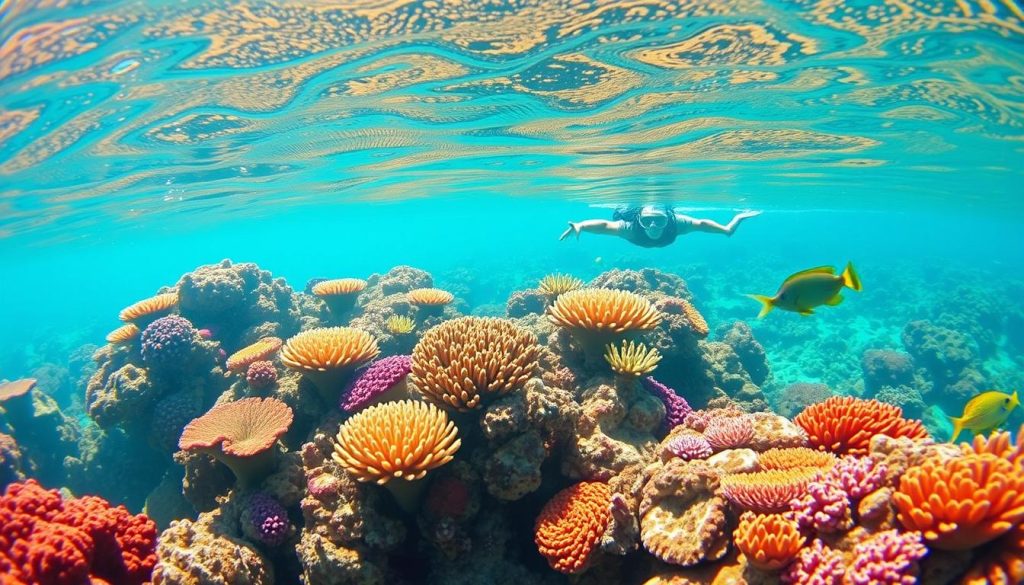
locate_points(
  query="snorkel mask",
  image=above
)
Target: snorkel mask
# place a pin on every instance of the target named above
(652, 219)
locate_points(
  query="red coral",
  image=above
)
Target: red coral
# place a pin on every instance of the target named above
(50, 541)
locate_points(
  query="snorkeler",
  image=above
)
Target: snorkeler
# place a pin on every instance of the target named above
(653, 226)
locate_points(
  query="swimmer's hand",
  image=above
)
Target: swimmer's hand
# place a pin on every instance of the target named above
(574, 228)
(748, 213)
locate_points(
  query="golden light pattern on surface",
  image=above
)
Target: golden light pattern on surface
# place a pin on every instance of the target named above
(403, 71)
(749, 45)
(14, 122)
(44, 42)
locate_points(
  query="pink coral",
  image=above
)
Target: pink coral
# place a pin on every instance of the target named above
(374, 380)
(889, 557)
(729, 433)
(857, 476)
(261, 374)
(815, 565)
(689, 447)
(824, 508)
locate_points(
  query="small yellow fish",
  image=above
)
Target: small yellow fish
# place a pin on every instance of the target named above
(984, 413)
(810, 288)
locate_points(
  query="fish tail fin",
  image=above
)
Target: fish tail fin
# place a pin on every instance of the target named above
(767, 304)
(850, 278)
(958, 426)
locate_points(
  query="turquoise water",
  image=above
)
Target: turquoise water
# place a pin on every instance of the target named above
(141, 140)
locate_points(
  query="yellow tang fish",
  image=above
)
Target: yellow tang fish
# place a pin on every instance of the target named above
(810, 288)
(984, 413)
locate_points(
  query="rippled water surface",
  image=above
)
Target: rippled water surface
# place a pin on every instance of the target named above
(116, 114)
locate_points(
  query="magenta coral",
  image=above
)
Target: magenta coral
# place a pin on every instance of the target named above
(824, 508)
(889, 557)
(374, 380)
(261, 374)
(690, 447)
(815, 565)
(676, 407)
(729, 433)
(857, 476)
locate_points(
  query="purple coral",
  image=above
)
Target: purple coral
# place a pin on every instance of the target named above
(857, 476)
(265, 520)
(168, 341)
(690, 447)
(815, 565)
(374, 380)
(676, 407)
(261, 374)
(824, 508)
(170, 415)
(322, 485)
(889, 557)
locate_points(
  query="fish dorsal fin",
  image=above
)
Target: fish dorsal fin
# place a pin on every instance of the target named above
(818, 270)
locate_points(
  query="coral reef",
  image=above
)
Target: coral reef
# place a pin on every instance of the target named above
(846, 425)
(570, 525)
(328, 355)
(380, 381)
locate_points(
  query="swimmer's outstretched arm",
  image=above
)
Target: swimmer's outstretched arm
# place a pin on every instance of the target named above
(713, 227)
(594, 226)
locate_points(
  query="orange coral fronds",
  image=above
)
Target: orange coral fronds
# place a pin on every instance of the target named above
(767, 491)
(793, 457)
(1000, 444)
(123, 334)
(150, 308)
(329, 348)
(339, 287)
(429, 297)
(570, 526)
(462, 361)
(769, 541)
(961, 503)
(402, 440)
(260, 351)
(845, 425)
(604, 310)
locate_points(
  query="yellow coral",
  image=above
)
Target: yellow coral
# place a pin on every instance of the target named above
(399, 325)
(604, 310)
(558, 284)
(632, 359)
(793, 457)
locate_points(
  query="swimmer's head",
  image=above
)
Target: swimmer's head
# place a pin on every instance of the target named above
(653, 219)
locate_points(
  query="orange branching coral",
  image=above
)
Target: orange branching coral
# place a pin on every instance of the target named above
(769, 541)
(632, 359)
(794, 457)
(429, 297)
(240, 434)
(260, 351)
(845, 425)
(396, 440)
(767, 491)
(1000, 444)
(553, 285)
(326, 354)
(339, 287)
(1003, 564)
(462, 361)
(604, 311)
(961, 503)
(570, 526)
(399, 325)
(123, 334)
(150, 309)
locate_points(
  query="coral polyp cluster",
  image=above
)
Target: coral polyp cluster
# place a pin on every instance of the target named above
(325, 355)
(603, 311)
(631, 359)
(845, 425)
(570, 526)
(554, 285)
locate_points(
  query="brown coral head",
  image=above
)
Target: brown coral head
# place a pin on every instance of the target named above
(631, 359)
(395, 440)
(554, 285)
(463, 361)
(571, 525)
(845, 425)
(240, 434)
(767, 492)
(148, 310)
(769, 541)
(694, 318)
(603, 312)
(429, 297)
(340, 294)
(124, 334)
(327, 354)
(16, 388)
(260, 351)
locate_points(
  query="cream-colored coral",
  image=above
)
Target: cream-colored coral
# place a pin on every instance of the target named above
(631, 359)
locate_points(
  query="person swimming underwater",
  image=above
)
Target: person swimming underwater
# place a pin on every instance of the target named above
(653, 226)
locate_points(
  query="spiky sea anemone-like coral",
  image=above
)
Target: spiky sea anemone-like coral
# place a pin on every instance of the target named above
(767, 491)
(340, 294)
(260, 351)
(399, 325)
(845, 425)
(396, 441)
(769, 541)
(327, 355)
(793, 457)
(124, 334)
(631, 359)
(554, 285)
(148, 310)
(429, 301)
(461, 362)
(689, 447)
(605, 313)
(730, 432)
(571, 524)
(241, 435)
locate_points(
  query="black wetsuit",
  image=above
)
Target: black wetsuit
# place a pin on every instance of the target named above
(637, 235)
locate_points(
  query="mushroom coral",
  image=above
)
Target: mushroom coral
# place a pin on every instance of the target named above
(845, 425)
(461, 362)
(571, 524)
(340, 293)
(148, 310)
(769, 541)
(429, 301)
(124, 333)
(598, 316)
(325, 355)
(260, 351)
(241, 435)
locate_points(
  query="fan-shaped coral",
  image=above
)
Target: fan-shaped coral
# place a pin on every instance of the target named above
(260, 351)
(16, 388)
(340, 294)
(767, 491)
(399, 325)
(148, 310)
(571, 524)
(558, 284)
(603, 312)
(793, 457)
(430, 301)
(466, 360)
(240, 434)
(961, 503)
(124, 333)
(381, 380)
(632, 359)
(769, 541)
(845, 425)
(326, 355)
